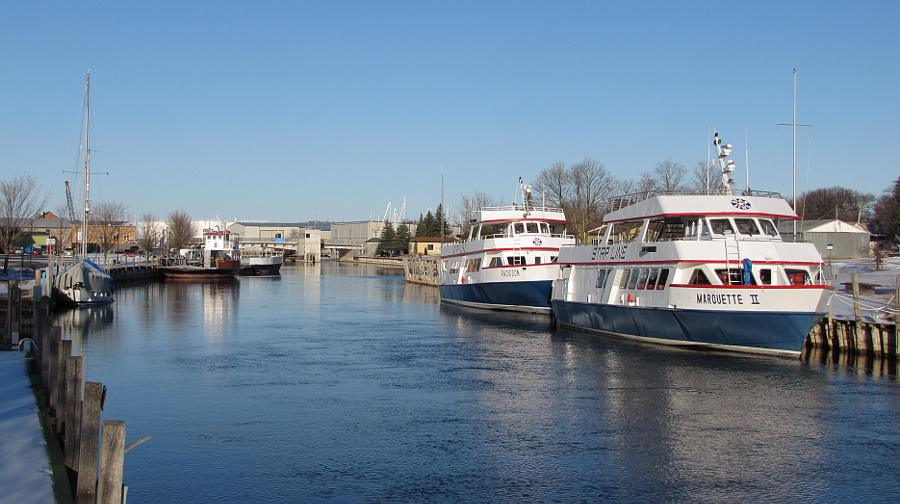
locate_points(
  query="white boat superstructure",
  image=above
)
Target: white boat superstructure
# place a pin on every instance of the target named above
(508, 259)
(707, 269)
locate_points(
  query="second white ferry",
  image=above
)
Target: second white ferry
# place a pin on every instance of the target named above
(708, 270)
(508, 260)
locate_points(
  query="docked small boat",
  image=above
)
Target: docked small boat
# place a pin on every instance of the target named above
(84, 283)
(508, 260)
(708, 270)
(261, 265)
(220, 259)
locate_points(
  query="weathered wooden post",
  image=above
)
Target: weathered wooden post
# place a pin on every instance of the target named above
(859, 335)
(52, 335)
(65, 351)
(74, 371)
(53, 368)
(830, 338)
(112, 461)
(897, 316)
(86, 489)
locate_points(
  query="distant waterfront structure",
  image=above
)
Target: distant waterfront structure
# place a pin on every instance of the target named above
(848, 241)
(427, 245)
(290, 238)
(356, 238)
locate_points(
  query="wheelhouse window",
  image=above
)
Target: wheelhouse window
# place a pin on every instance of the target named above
(765, 276)
(768, 228)
(720, 226)
(698, 277)
(625, 232)
(520, 227)
(553, 259)
(496, 262)
(747, 227)
(473, 265)
(667, 229)
(532, 228)
(495, 230)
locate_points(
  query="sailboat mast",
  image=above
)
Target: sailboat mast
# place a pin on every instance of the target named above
(86, 187)
(794, 153)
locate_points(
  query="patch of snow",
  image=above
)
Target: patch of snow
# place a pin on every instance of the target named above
(25, 475)
(885, 282)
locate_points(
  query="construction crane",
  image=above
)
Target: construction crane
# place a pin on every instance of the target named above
(69, 205)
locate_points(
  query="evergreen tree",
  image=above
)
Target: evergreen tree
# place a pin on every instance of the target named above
(401, 239)
(440, 221)
(427, 226)
(388, 238)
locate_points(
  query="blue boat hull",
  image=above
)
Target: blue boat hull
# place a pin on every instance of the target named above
(527, 296)
(751, 331)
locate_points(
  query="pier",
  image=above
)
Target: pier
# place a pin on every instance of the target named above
(86, 453)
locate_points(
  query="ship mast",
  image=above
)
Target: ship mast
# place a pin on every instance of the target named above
(86, 152)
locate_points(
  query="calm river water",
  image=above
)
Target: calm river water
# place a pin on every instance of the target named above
(342, 383)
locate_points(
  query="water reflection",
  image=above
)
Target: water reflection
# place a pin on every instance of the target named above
(78, 323)
(343, 383)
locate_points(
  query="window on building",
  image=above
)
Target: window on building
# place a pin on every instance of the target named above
(308, 235)
(430, 246)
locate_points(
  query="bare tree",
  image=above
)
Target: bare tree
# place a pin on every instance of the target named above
(148, 233)
(109, 218)
(553, 184)
(580, 190)
(468, 205)
(180, 229)
(701, 179)
(19, 204)
(835, 202)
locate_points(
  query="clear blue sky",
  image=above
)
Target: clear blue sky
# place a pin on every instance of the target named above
(327, 110)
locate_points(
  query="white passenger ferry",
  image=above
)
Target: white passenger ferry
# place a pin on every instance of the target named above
(706, 270)
(509, 259)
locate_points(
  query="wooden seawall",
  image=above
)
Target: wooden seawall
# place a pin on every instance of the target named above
(423, 270)
(86, 452)
(857, 335)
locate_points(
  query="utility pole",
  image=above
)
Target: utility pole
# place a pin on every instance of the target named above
(793, 126)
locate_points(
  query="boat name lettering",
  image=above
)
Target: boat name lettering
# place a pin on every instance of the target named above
(610, 252)
(722, 299)
(509, 272)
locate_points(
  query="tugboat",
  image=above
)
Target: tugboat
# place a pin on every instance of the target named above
(220, 259)
(706, 270)
(261, 265)
(508, 260)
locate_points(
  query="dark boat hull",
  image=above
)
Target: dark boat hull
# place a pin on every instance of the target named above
(261, 270)
(196, 273)
(530, 296)
(781, 333)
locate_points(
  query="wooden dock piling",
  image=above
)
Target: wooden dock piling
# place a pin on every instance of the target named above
(112, 460)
